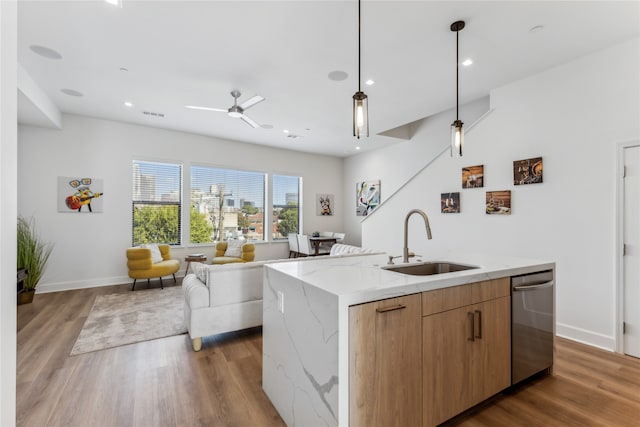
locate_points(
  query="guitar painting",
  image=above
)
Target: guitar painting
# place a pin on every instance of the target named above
(74, 194)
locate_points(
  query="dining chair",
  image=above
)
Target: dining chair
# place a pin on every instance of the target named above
(293, 245)
(304, 245)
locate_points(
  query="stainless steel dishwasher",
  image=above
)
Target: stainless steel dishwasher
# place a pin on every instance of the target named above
(532, 320)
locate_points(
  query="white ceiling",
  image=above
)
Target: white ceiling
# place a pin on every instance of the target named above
(194, 53)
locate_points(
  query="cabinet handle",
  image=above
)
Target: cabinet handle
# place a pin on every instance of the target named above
(479, 313)
(473, 329)
(394, 307)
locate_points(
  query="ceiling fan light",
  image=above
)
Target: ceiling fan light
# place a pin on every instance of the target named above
(360, 115)
(235, 112)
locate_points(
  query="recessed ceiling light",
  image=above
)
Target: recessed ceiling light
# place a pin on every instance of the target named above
(338, 76)
(357, 148)
(128, 104)
(467, 62)
(536, 28)
(286, 131)
(369, 82)
(71, 92)
(45, 51)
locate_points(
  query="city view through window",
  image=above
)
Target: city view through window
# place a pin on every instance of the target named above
(224, 204)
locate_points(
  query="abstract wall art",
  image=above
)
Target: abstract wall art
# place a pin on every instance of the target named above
(367, 197)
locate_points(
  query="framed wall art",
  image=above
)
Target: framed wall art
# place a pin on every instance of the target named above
(80, 194)
(324, 204)
(450, 202)
(367, 197)
(473, 176)
(498, 202)
(528, 171)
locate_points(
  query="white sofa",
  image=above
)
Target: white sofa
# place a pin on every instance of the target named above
(224, 298)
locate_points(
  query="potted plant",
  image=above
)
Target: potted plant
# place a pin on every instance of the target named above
(33, 254)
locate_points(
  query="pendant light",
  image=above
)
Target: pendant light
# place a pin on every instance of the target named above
(457, 133)
(360, 100)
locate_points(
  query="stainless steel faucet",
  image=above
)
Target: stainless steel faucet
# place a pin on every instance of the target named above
(405, 253)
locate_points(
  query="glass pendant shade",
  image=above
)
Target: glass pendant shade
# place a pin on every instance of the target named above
(457, 138)
(360, 115)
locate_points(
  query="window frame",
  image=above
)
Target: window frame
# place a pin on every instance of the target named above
(159, 203)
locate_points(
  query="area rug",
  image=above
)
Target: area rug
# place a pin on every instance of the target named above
(130, 317)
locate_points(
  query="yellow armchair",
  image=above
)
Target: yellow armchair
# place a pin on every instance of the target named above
(141, 265)
(248, 254)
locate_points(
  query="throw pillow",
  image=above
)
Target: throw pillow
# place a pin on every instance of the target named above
(156, 256)
(234, 249)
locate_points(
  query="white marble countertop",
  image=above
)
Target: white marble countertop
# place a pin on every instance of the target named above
(358, 279)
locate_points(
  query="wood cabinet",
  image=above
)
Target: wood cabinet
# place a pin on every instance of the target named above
(385, 363)
(424, 358)
(466, 347)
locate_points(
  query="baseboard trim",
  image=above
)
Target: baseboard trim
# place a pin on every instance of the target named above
(584, 336)
(44, 288)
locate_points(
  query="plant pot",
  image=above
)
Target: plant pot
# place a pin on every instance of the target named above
(26, 297)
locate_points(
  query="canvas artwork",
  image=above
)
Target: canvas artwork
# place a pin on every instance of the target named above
(473, 176)
(324, 204)
(80, 194)
(498, 202)
(528, 171)
(367, 197)
(450, 202)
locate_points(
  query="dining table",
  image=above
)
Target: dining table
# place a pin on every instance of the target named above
(318, 241)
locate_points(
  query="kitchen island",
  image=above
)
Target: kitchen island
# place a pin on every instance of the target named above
(306, 322)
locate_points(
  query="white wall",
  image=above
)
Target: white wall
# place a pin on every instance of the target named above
(395, 164)
(573, 116)
(8, 204)
(90, 248)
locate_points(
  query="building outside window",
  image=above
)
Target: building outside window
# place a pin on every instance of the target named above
(226, 204)
(156, 202)
(286, 205)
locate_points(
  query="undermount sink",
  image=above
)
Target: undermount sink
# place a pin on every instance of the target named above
(428, 268)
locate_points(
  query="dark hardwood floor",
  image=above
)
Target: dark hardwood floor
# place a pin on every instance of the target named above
(164, 383)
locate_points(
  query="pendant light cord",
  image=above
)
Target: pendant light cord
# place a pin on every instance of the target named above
(457, 66)
(359, 54)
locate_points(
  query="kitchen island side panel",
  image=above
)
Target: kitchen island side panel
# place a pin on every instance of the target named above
(300, 350)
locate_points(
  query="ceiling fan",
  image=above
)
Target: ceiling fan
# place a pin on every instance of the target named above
(236, 111)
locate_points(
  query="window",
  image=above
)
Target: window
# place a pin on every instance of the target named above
(156, 202)
(226, 204)
(286, 205)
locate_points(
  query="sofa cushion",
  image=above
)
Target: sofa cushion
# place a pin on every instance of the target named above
(234, 249)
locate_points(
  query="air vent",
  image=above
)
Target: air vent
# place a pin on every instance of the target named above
(293, 136)
(151, 113)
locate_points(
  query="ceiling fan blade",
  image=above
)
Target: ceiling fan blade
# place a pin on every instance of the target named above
(195, 107)
(251, 102)
(249, 121)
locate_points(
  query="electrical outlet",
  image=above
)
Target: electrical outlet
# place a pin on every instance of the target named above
(281, 302)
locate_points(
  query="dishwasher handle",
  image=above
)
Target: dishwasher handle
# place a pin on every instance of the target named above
(533, 287)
